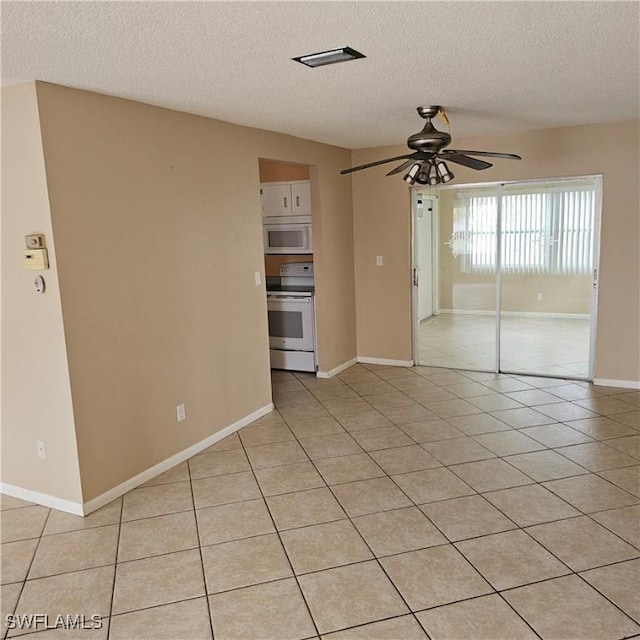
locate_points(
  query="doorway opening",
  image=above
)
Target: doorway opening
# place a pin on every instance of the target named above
(512, 276)
(285, 194)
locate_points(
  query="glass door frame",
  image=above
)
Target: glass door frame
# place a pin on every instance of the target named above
(415, 270)
(593, 321)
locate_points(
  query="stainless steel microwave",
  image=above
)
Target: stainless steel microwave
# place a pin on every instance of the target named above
(289, 237)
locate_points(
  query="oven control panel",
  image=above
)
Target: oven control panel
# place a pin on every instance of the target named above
(297, 269)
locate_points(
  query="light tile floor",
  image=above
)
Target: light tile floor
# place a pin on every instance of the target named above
(549, 346)
(383, 503)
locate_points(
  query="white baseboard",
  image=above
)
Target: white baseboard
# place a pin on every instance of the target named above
(339, 369)
(43, 499)
(385, 361)
(622, 384)
(92, 505)
(167, 464)
(517, 314)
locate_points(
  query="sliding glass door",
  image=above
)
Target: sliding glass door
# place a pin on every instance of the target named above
(548, 233)
(514, 271)
(462, 331)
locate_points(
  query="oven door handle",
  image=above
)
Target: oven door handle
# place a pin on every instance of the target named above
(290, 299)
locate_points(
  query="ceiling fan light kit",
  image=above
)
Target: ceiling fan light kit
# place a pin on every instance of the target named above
(411, 175)
(427, 162)
(423, 174)
(443, 172)
(434, 175)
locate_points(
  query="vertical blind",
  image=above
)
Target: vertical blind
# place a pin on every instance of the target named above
(545, 229)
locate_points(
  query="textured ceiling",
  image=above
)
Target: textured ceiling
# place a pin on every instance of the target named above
(496, 66)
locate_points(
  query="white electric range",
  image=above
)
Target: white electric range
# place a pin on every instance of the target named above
(291, 309)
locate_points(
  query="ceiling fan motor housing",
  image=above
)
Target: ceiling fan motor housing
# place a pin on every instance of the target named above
(429, 139)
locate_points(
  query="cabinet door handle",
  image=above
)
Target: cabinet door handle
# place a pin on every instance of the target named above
(297, 201)
(285, 202)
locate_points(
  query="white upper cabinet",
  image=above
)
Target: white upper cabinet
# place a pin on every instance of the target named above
(286, 198)
(301, 198)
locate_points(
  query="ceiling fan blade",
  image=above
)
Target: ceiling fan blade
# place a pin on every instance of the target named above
(402, 167)
(490, 154)
(374, 164)
(466, 161)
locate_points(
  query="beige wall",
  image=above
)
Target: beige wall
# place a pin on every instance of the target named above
(518, 292)
(381, 220)
(157, 223)
(36, 398)
(156, 220)
(382, 226)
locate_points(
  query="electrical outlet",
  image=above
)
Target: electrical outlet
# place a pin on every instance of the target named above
(258, 278)
(181, 412)
(539, 297)
(379, 261)
(41, 448)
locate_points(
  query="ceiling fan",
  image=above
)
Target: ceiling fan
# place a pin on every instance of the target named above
(426, 165)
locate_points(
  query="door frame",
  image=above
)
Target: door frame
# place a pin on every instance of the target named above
(416, 192)
(596, 276)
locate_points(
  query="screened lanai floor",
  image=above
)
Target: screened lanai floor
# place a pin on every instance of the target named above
(551, 346)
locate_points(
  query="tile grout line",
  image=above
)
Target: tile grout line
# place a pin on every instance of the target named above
(520, 528)
(368, 453)
(588, 584)
(277, 532)
(572, 572)
(199, 541)
(371, 551)
(26, 575)
(446, 538)
(115, 569)
(347, 517)
(540, 484)
(534, 483)
(452, 543)
(577, 573)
